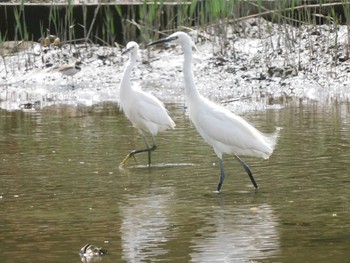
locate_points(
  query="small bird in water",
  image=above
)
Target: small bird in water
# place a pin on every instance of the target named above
(145, 111)
(92, 251)
(70, 69)
(220, 128)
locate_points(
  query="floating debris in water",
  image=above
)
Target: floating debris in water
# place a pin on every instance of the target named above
(30, 105)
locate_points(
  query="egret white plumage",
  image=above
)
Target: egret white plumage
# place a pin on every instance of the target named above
(220, 128)
(145, 111)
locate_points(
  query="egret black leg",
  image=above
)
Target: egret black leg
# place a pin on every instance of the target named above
(247, 169)
(222, 175)
(149, 149)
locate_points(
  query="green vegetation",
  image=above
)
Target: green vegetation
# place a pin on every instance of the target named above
(216, 20)
(21, 28)
(150, 19)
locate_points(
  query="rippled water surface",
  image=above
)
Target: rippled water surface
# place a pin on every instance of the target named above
(61, 188)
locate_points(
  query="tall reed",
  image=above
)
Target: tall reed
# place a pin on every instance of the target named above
(20, 19)
(150, 19)
(346, 8)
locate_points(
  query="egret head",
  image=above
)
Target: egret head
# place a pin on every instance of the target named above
(180, 37)
(131, 47)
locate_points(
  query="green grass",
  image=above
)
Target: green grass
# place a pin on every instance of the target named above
(152, 19)
(214, 19)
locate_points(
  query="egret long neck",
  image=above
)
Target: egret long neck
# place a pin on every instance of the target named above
(125, 83)
(190, 87)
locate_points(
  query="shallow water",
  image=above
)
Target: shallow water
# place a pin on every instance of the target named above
(61, 188)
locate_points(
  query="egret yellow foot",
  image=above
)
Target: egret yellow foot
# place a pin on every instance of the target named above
(127, 157)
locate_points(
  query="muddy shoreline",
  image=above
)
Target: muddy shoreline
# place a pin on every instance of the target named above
(257, 62)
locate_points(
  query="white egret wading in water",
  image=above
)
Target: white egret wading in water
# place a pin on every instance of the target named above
(220, 128)
(146, 112)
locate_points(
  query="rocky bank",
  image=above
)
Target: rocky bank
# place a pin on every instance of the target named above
(254, 62)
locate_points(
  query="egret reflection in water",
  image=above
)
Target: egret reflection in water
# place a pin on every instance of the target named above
(145, 226)
(61, 188)
(240, 234)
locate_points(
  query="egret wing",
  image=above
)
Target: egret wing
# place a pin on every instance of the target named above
(221, 128)
(152, 112)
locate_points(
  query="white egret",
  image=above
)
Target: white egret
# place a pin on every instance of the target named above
(220, 128)
(146, 112)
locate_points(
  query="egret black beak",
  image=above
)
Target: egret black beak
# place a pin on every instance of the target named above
(127, 50)
(161, 41)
